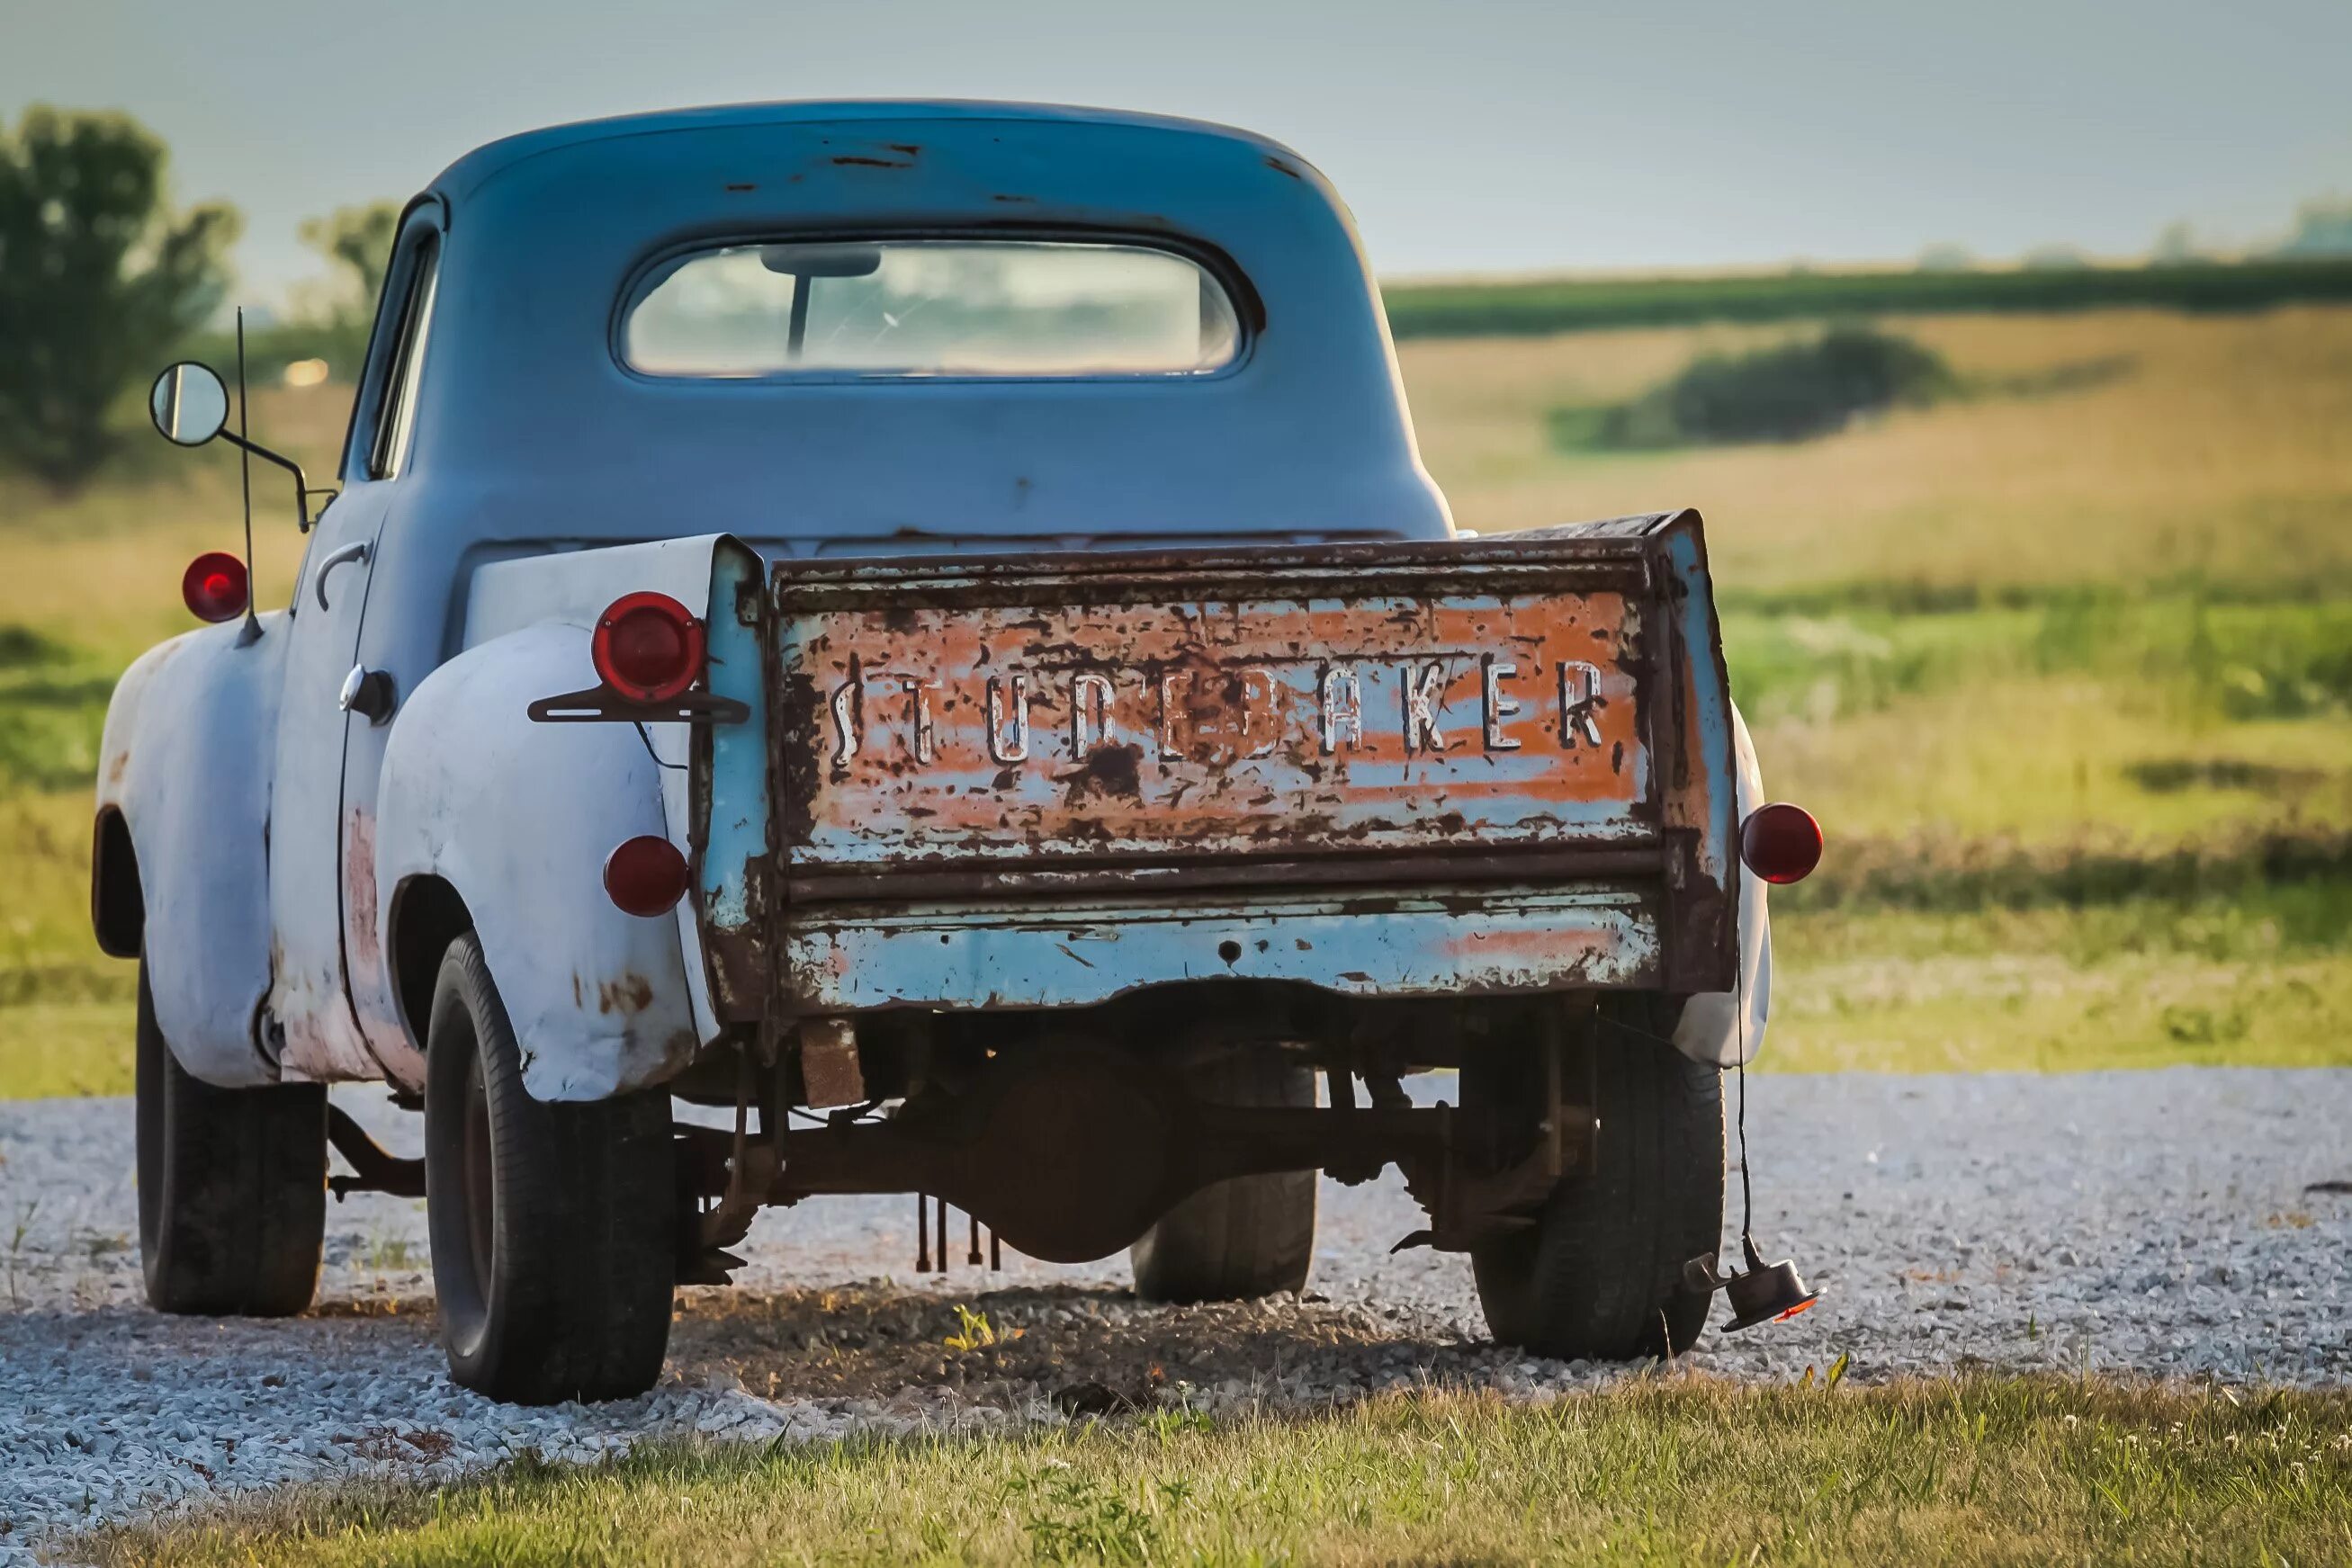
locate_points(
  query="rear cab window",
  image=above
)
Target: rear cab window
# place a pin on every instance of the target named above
(929, 308)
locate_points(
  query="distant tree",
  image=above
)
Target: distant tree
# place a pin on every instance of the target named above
(2176, 243)
(1947, 256)
(359, 240)
(2322, 226)
(99, 282)
(2055, 258)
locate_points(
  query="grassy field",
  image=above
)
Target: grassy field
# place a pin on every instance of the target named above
(2063, 665)
(1491, 307)
(1975, 1470)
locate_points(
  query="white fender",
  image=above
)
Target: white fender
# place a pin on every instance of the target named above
(185, 760)
(1710, 1028)
(518, 818)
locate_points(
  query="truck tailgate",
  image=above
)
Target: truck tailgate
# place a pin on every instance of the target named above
(1539, 709)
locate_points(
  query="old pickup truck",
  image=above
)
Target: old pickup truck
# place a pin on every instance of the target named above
(920, 629)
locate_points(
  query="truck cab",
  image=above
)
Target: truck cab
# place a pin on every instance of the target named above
(921, 627)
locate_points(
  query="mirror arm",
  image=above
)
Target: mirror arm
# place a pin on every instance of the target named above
(301, 485)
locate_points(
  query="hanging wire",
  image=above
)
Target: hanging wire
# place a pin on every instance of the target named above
(1747, 1192)
(1739, 1000)
(648, 739)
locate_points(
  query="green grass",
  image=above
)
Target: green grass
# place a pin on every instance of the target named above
(2254, 977)
(1671, 1470)
(1547, 305)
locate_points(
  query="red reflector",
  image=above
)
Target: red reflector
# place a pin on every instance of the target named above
(1780, 842)
(646, 875)
(648, 647)
(214, 586)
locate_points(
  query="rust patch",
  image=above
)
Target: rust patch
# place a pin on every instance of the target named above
(628, 994)
(1243, 725)
(114, 769)
(1109, 770)
(358, 891)
(859, 160)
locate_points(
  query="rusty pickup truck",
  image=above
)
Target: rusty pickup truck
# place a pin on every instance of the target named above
(917, 632)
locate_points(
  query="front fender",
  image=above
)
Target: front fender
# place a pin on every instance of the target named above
(186, 764)
(517, 818)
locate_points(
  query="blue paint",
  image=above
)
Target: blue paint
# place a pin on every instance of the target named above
(1711, 697)
(1026, 956)
(739, 811)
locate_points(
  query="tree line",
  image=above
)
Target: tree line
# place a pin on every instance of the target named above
(102, 279)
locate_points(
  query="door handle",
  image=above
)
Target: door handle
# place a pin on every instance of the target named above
(355, 552)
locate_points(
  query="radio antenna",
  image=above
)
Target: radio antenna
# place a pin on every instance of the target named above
(252, 629)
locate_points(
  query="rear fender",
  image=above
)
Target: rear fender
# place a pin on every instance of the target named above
(517, 818)
(185, 768)
(1726, 1028)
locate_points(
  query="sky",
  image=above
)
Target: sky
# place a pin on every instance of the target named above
(1476, 136)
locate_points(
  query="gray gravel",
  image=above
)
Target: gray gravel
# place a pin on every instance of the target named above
(2167, 1223)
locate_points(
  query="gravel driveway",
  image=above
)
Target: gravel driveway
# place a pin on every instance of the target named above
(2190, 1222)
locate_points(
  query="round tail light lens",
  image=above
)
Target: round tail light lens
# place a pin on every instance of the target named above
(646, 876)
(214, 586)
(1780, 842)
(648, 647)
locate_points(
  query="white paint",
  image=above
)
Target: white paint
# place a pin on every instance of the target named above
(1710, 1030)
(186, 759)
(518, 818)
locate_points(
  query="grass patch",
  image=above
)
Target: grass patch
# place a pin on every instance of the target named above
(65, 1007)
(2224, 457)
(1785, 392)
(2261, 979)
(1548, 305)
(1977, 1471)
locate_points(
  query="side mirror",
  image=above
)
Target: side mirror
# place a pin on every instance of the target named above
(189, 404)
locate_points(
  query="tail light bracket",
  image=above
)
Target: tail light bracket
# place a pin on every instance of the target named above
(599, 704)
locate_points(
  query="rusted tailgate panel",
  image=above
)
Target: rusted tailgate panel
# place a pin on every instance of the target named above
(1381, 769)
(1123, 717)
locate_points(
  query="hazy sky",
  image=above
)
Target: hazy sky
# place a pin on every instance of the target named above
(1470, 136)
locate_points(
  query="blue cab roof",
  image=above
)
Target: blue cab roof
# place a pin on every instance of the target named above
(530, 427)
(486, 159)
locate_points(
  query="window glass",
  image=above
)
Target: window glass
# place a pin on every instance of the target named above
(931, 307)
(396, 425)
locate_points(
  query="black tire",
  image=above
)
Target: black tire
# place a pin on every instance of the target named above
(1600, 1277)
(1252, 1235)
(553, 1224)
(232, 1186)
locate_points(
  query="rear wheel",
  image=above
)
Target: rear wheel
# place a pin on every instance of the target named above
(1600, 1275)
(553, 1224)
(232, 1186)
(1253, 1236)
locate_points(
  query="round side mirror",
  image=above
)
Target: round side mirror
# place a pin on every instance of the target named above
(189, 404)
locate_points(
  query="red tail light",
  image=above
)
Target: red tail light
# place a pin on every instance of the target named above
(1780, 842)
(646, 876)
(214, 586)
(648, 647)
